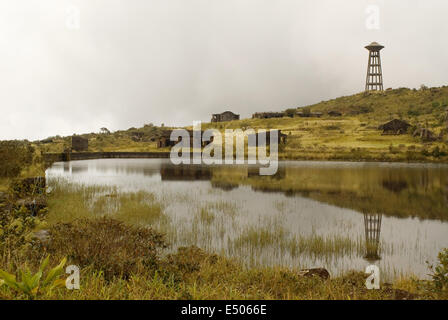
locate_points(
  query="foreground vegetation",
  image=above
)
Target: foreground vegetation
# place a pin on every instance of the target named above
(137, 263)
(134, 265)
(131, 266)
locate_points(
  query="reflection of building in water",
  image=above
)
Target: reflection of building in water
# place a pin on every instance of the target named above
(395, 186)
(372, 226)
(185, 173)
(226, 186)
(68, 167)
(254, 172)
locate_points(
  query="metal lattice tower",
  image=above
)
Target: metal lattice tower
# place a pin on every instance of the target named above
(374, 80)
(372, 226)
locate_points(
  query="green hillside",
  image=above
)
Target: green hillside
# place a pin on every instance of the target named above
(352, 136)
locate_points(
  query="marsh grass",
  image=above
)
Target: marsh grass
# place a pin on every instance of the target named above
(324, 247)
(69, 201)
(206, 217)
(219, 226)
(227, 208)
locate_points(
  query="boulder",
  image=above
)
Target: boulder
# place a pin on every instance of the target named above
(319, 272)
(397, 294)
(42, 235)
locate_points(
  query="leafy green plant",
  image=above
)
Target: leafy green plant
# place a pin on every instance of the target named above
(33, 284)
(440, 272)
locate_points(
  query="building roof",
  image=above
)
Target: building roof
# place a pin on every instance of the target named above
(394, 124)
(374, 46)
(224, 113)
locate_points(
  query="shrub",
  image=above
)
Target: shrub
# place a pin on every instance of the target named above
(15, 156)
(440, 272)
(365, 109)
(332, 127)
(188, 260)
(435, 104)
(16, 230)
(290, 112)
(393, 150)
(114, 248)
(414, 113)
(28, 187)
(436, 152)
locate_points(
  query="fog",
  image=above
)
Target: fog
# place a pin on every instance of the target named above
(76, 66)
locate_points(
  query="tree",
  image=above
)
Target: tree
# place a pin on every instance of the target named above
(15, 155)
(290, 112)
(104, 130)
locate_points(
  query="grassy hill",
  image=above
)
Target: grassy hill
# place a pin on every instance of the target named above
(353, 136)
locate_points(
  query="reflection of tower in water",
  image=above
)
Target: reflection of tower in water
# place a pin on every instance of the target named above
(372, 226)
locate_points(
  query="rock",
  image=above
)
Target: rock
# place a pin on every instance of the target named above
(403, 295)
(42, 235)
(398, 294)
(319, 272)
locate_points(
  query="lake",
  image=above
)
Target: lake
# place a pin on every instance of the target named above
(338, 215)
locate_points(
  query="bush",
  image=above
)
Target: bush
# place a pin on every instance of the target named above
(114, 248)
(16, 232)
(414, 113)
(28, 187)
(188, 260)
(440, 272)
(436, 152)
(15, 156)
(290, 112)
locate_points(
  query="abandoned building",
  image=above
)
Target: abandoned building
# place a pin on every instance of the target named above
(425, 134)
(309, 114)
(395, 126)
(225, 116)
(79, 143)
(334, 113)
(164, 141)
(281, 137)
(268, 115)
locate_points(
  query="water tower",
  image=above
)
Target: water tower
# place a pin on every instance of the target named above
(372, 226)
(374, 80)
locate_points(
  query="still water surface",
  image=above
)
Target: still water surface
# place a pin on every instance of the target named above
(336, 215)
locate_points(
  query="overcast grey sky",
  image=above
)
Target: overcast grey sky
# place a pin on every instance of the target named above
(76, 66)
